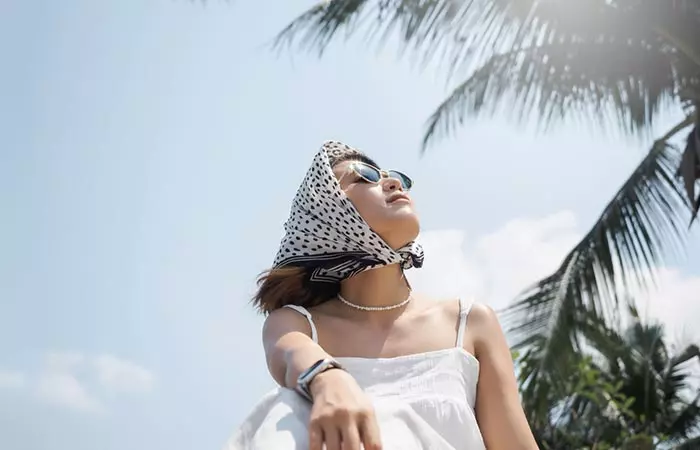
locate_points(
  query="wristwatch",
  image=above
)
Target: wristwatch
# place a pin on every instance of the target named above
(307, 376)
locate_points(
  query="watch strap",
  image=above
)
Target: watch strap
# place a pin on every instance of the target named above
(307, 376)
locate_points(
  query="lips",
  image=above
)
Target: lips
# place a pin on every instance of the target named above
(398, 196)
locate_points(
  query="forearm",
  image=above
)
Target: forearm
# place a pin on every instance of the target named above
(294, 355)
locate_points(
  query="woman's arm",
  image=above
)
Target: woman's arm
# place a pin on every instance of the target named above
(498, 411)
(341, 415)
(289, 349)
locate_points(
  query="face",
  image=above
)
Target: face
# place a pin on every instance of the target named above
(385, 206)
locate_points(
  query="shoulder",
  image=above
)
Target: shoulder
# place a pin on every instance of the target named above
(285, 320)
(485, 328)
(482, 326)
(482, 316)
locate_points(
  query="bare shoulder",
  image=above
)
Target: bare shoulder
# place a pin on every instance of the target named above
(480, 315)
(483, 316)
(285, 320)
(484, 329)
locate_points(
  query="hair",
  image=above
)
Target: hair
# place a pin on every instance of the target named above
(281, 286)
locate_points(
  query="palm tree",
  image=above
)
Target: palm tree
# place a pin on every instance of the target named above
(614, 64)
(629, 391)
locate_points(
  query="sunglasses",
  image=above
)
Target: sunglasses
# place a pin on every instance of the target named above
(373, 175)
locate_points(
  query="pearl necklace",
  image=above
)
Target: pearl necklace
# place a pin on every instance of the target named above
(375, 308)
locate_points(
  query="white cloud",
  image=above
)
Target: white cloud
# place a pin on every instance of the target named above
(64, 389)
(499, 265)
(676, 302)
(121, 375)
(65, 376)
(447, 271)
(11, 380)
(58, 383)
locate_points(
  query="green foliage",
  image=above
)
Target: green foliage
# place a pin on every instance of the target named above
(626, 391)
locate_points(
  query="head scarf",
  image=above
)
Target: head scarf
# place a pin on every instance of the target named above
(326, 234)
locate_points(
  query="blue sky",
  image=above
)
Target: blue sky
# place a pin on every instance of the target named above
(148, 155)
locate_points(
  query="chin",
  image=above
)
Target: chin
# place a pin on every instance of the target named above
(403, 229)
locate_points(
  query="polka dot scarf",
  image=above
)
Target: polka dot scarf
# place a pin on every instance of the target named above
(326, 234)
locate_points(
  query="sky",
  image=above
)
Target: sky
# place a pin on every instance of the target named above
(149, 152)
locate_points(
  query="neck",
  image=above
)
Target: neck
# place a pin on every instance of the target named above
(384, 286)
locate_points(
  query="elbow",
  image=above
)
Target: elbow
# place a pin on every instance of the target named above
(276, 359)
(286, 374)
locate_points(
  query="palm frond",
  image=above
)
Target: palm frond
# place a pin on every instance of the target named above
(690, 168)
(538, 388)
(625, 242)
(320, 24)
(690, 444)
(634, 388)
(609, 83)
(559, 59)
(687, 421)
(688, 353)
(426, 26)
(675, 375)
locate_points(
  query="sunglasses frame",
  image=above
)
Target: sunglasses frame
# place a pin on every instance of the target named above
(382, 174)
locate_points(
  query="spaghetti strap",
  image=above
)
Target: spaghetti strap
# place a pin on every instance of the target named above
(303, 311)
(463, 313)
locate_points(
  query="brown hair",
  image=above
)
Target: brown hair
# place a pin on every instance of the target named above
(291, 285)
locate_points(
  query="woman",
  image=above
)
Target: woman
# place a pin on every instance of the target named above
(361, 360)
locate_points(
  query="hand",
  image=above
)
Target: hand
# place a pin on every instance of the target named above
(342, 415)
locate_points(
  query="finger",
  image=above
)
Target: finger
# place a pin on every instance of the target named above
(315, 437)
(350, 436)
(369, 434)
(331, 437)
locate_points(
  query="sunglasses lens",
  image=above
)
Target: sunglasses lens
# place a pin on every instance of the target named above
(373, 175)
(368, 173)
(406, 182)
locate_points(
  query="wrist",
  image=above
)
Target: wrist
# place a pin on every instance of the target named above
(321, 380)
(309, 375)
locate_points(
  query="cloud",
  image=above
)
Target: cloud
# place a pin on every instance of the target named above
(66, 376)
(498, 265)
(121, 375)
(447, 271)
(674, 301)
(64, 389)
(58, 384)
(495, 267)
(12, 380)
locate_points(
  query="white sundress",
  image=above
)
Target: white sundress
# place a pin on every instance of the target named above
(421, 401)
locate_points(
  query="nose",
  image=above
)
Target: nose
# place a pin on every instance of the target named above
(391, 184)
